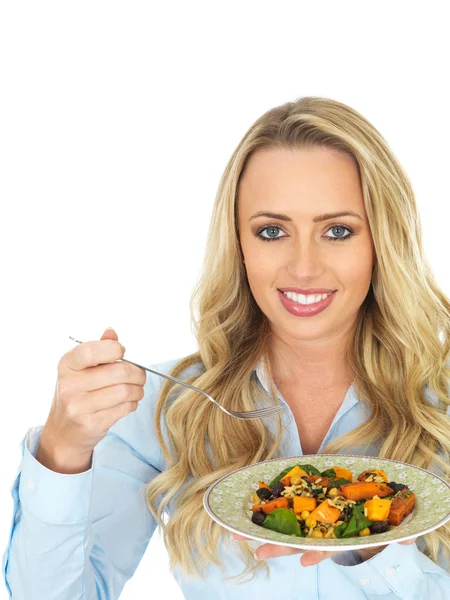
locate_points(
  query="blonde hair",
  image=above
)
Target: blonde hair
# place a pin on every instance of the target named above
(401, 342)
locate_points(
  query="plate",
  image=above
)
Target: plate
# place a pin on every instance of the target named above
(229, 501)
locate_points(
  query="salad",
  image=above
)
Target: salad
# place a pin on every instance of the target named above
(304, 502)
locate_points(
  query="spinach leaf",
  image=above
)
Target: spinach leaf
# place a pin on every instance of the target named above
(280, 476)
(338, 482)
(356, 523)
(310, 469)
(307, 468)
(328, 473)
(283, 521)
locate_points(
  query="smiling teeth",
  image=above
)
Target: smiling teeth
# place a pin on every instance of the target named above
(308, 299)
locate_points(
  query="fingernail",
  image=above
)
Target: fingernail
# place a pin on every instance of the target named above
(258, 557)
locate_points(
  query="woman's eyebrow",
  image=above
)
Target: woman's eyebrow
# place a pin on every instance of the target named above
(324, 217)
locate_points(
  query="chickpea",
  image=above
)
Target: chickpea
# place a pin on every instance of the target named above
(317, 534)
(310, 521)
(333, 492)
(304, 514)
(364, 532)
(295, 480)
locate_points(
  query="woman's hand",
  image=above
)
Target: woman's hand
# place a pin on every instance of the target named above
(310, 557)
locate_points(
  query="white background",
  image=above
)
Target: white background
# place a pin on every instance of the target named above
(116, 122)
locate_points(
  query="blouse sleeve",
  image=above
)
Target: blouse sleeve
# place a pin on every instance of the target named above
(83, 535)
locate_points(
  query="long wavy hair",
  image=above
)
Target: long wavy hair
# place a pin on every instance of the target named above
(401, 343)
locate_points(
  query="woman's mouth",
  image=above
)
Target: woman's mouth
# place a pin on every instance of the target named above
(316, 303)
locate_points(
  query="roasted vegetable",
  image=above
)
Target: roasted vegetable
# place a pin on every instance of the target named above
(401, 506)
(319, 480)
(272, 505)
(377, 509)
(362, 491)
(309, 470)
(295, 471)
(325, 513)
(302, 503)
(261, 484)
(374, 473)
(343, 473)
(283, 473)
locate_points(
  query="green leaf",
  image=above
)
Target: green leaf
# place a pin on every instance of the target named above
(355, 524)
(310, 469)
(307, 468)
(338, 482)
(283, 521)
(280, 476)
(328, 473)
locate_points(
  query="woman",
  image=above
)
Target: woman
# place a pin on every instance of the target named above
(361, 371)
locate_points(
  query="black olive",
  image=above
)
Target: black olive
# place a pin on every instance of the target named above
(264, 493)
(277, 489)
(397, 487)
(258, 517)
(379, 526)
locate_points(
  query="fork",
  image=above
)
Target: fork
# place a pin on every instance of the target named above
(259, 413)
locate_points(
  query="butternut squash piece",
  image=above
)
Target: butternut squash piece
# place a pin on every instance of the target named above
(286, 480)
(302, 503)
(272, 505)
(296, 471)
(342, 473)
(261, 484)
(365, 490)
(325, 513)
(401, 506)
(375, 472)
(377, 509)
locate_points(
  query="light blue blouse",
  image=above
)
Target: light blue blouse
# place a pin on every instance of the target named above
(82, 536)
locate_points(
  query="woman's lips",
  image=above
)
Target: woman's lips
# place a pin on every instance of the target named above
(302, 310)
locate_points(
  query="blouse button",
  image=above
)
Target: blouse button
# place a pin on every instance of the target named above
(364, 581)
(390, 572)
(30, 485)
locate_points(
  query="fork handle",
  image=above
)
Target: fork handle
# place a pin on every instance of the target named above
(177, 381)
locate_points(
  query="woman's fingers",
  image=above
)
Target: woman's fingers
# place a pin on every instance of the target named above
(274, 551)
(309, 557)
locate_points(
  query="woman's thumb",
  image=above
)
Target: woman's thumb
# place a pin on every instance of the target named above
(109, 334)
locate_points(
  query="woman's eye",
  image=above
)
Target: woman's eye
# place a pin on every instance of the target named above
(340, 230)
(337, 233)
(270, 238)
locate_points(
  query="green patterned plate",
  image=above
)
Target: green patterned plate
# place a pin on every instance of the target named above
(229, 501)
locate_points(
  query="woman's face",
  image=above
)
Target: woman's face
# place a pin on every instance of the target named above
(303, 251)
